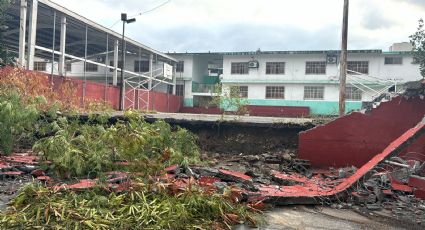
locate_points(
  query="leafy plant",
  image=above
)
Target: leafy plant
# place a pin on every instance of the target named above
(418, 42)
(139, 208)
(16, 120)
(77, 149)
(230, 98)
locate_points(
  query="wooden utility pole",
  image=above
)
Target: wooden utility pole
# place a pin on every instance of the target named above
(343, 61)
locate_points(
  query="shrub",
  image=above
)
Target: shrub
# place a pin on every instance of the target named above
(16, 121)
(77, 149)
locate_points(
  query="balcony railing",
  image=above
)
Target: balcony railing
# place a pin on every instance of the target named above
(203, 88)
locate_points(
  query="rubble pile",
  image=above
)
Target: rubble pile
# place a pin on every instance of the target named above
(410, 90)
(396, 188)
(414, 89)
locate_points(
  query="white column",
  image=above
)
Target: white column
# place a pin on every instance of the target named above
(174, 78)
(62, 47)
(150, 71)
(32, 34)
(22, 31)
(115, 76)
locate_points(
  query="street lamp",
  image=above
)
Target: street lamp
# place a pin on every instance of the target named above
(122, 93)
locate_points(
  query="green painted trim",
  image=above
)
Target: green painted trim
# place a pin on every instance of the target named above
(316, 107)
(210, 80)
(399, 52)
(279, 52)
(188, 102)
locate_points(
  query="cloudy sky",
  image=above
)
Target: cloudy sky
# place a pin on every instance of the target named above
(247, 25)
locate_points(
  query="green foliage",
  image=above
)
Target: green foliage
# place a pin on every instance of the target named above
(75, 149)
(39, 207)
(230, 99)
(16, 120)
(418, 42)
(88, 149)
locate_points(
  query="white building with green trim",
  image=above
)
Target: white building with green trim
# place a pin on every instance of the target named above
(294, 78)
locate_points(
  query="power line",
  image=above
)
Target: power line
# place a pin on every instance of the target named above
(145, 12)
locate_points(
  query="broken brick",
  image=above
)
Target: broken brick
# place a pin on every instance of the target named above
(38, 173)
(401, 187)
(232, 176)
(417, 182)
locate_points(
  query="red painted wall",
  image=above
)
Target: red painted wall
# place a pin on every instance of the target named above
(278, 111)
(198, 110)
(354, 139)
(254, 110)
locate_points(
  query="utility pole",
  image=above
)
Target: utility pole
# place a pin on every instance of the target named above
(343, 61)
(122, 88)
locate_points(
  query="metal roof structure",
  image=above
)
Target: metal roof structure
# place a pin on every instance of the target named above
(46, 30)
(49, 15)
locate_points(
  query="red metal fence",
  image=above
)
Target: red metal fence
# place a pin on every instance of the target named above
(161, 102)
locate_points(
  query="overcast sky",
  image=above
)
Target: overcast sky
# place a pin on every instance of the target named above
(247, 25)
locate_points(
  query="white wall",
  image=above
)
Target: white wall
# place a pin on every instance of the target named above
(294, 92)
(295, 67)
(188, 66)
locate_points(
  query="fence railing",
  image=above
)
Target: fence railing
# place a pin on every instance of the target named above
(203, 88)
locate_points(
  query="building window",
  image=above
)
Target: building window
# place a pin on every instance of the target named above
(358, 66)
(180, 90)
(90, 67)
(275, 68)
(315, 67)
(275, 92)
(40, 66)
(68, 67)
(314, 92)
(242, 91)
(180, 67)
(353, 94)
(393, 60)
(141, 66)
(239, 68)
(111, 63)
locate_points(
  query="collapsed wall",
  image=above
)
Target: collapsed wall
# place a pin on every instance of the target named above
(354, 139)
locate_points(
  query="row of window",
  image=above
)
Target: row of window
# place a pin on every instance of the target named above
(310, 92)
(311, 67)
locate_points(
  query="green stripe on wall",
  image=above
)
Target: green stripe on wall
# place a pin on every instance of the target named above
(316, 107)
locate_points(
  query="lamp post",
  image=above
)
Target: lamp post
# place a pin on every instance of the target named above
(122, 93)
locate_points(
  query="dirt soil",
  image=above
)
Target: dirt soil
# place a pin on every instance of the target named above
(231, 139)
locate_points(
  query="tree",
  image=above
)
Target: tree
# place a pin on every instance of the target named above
(6, 58)
(229, 98)
(418, 42)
